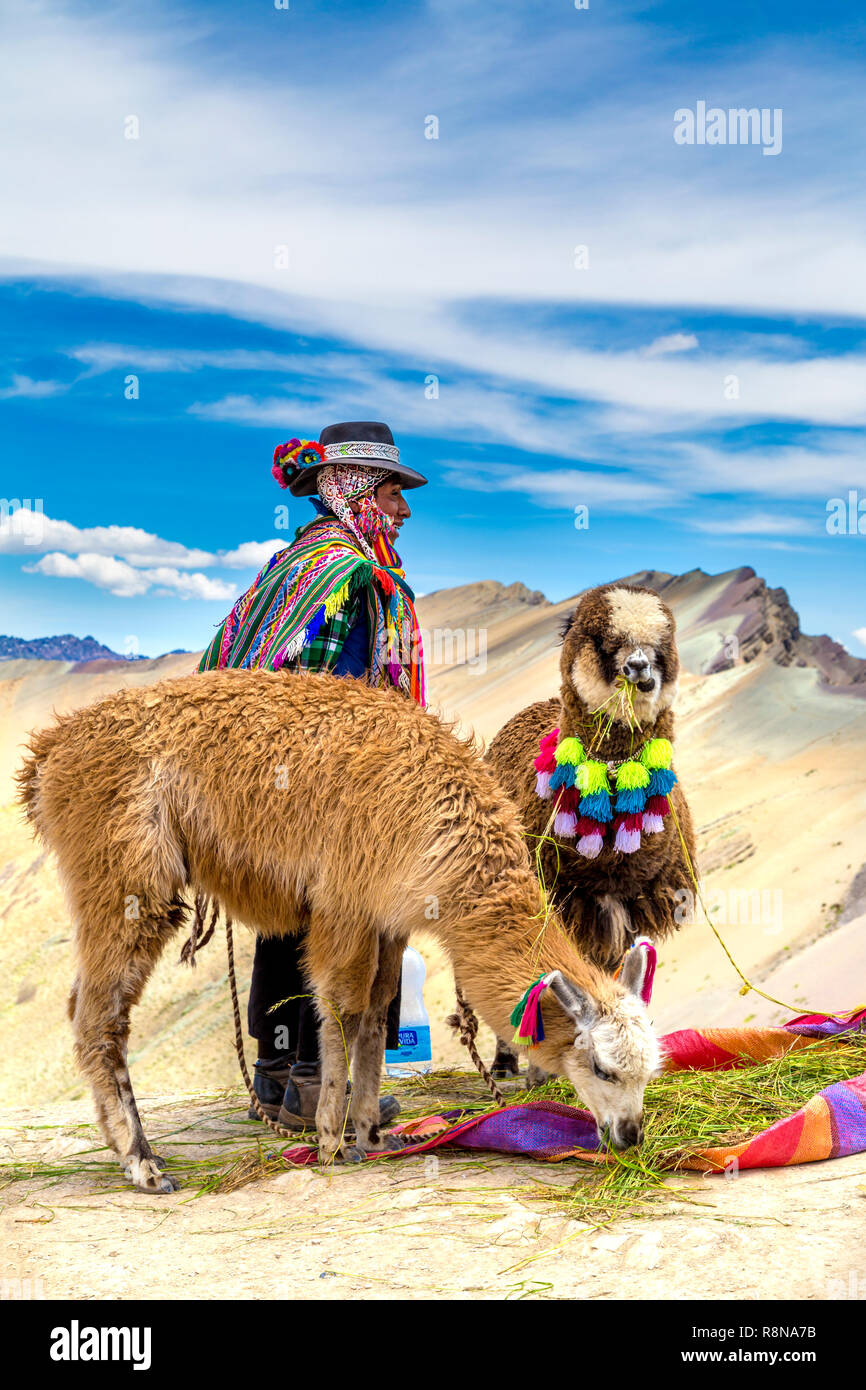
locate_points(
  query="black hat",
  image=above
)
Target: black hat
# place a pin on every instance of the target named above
(360, 442)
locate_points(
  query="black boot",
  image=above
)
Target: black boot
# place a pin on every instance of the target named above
(269, 1083)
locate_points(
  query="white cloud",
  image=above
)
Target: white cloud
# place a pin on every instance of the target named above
(125, 581)
(192, 585)
(345, 181)
(758, 524)
(103, 571)
(251, 554)
(832, 464)
(655, 394)
(123, 560)
(671, 342)
(560, 487)
(860, 634)
(103, 357)
(27, 529)
(26, 386)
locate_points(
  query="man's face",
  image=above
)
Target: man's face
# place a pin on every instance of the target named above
(389, 497)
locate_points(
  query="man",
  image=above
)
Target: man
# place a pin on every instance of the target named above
(336, 600)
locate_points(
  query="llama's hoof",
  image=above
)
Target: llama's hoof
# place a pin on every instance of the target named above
(146, 1174)
(536, 1077)
(384, 1143)
(338, 1153)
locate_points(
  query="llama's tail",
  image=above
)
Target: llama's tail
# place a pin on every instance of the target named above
(39, 745)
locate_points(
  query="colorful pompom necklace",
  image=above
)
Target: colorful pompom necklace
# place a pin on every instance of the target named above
(582, 789)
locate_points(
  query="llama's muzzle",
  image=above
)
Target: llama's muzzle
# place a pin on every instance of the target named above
(622, 1134)
(638, 670)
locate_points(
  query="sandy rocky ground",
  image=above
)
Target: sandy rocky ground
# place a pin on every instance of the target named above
(426, 1227)
(771, 753)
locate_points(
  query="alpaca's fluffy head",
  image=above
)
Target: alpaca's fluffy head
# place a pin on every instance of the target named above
(607, 1049)
(622, 632)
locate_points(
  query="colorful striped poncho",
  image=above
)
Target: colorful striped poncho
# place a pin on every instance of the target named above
(308, 583)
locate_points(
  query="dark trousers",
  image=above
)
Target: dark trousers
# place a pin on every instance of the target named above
(278, 974)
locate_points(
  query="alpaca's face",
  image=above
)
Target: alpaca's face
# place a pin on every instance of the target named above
(608, 1054)
(622, 634)
(609, 1066)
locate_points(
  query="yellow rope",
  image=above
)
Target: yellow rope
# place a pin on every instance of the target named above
(747, 987)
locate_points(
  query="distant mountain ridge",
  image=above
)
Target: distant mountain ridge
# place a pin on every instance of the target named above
(65, 648)
(723, 620)
(750, 620)
(68, 647)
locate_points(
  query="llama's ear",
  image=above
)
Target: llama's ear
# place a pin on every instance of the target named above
(639, 968)
(579, 1006)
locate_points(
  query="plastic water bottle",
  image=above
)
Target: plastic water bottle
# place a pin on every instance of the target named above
(414, 1054)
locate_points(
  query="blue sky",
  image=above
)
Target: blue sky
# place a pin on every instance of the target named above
(281, 247)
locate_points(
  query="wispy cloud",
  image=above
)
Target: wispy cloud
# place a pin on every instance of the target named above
(671, 342)
(443, 219)
(560, 487)
(27, 387)
(757, 524)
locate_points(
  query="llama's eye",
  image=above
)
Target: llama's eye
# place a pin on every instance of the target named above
(602, 1074)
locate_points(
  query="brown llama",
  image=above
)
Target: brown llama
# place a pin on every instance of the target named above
(617, 633)
(318, 802)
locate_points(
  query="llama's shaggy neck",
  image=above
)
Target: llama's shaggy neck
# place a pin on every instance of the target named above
(619, 741)
(500, 949)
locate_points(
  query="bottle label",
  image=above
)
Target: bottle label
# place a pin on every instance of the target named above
(414, 1046)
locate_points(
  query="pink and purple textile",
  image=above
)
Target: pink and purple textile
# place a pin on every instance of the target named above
(831, 1125)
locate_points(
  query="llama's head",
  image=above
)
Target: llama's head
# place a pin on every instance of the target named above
(608, 1052)
(617, 633)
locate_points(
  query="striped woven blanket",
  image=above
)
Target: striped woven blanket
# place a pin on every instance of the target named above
(831, 1125)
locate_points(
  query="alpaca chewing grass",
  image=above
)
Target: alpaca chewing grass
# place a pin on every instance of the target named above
(590, 774)
(312, 804)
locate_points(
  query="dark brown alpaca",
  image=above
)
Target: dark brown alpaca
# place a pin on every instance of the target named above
(315, 803)
(616, 633)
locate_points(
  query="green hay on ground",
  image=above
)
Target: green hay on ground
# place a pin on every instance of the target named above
(688, 1111)
(684, 1112)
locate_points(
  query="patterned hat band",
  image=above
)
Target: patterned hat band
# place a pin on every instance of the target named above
(361, 449)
